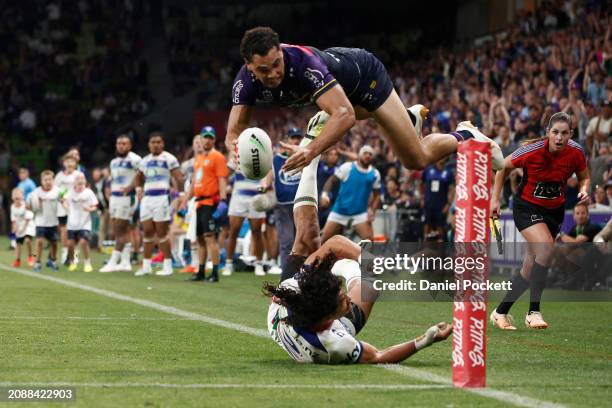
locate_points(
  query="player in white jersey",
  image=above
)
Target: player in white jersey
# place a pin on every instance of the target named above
(156, 171)
(311, 316)
(123, 169)
(22, 225)
(243, 192)
(43, 201)
(64, 181)
(79, 202)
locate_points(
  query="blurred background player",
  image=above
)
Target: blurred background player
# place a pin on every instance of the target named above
(79, 202)
(285, 187)
(22, 225)
(209, 186)
(358, 197)
(243, 192)
(155, 171)
(44, 202)
(539, 210)
(327, 167)
(123, 169)
(313, 76)
(64, 181)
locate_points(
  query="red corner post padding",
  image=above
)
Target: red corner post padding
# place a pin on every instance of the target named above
(473, 189)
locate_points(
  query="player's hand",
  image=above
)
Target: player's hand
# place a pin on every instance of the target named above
(495, 210)
(324, 200)
(233, 148)
(299, 157)
(584, 198)
(371, 215)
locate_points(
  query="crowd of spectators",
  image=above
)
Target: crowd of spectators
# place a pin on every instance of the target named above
(71, 72)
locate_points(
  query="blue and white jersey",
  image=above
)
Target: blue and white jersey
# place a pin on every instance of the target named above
(285, 185)
(158, 171)
(123, 170)
(355, 188)
(243, 187)
(335, 345)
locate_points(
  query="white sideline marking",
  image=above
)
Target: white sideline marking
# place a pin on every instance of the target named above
(504, 396)
(89, 318)
(382, 387)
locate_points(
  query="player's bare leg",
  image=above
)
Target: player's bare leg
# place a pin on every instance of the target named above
(365, 230)
(148, 229)
(162, 230)
(330, 229)
(416, 152)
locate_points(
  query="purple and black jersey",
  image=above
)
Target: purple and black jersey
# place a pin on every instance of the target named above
(309, 73)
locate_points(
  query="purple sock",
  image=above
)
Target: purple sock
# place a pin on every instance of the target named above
(462, 135)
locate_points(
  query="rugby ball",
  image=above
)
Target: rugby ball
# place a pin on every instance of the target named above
(254, 153)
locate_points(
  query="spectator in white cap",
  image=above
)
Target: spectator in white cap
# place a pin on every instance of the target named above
(358, 196)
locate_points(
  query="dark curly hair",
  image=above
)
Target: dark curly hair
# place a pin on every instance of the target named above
(258, 40)
(318, 297)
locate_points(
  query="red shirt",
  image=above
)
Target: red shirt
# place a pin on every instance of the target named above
(545, 175)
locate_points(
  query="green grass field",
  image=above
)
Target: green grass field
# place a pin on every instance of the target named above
(153, 342)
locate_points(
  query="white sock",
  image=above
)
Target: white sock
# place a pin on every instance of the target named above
(64, 254)
(146, 264)
(115, 256)
(167, 264)
(87, 262)
(125, 254)
(307, 189)
(195, 258)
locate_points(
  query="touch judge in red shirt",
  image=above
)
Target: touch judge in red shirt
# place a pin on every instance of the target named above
(538, 212)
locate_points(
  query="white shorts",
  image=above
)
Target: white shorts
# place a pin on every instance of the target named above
(121, 208)
(156, 208)
(240, 206)
(345, 220)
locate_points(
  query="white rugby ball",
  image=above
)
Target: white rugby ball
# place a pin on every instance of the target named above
(255, 153)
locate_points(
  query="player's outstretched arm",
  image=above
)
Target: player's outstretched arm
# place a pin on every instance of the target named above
(239, 119)
(341, 246)
(342, 118)
(400, 352)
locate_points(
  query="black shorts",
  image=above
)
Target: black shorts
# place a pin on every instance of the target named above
(76, 235)
(62, 220)
(49, 233)
(205, 223)
(526, 214)
(434, 217)
(20, 240)
(357, 317)
(363, 77)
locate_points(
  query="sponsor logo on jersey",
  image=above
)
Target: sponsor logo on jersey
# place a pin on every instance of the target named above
(314, 76)
(236, 91)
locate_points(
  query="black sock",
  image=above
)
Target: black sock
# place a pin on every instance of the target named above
(412, 117)
(519, 286)
(538, 282)
(215, 271)
(202, 269)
